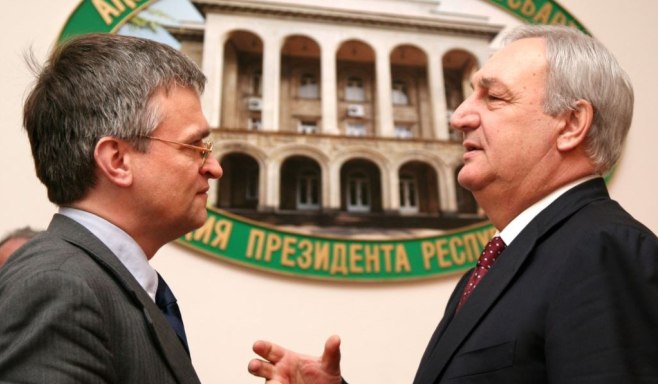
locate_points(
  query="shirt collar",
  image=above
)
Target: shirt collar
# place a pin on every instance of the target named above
(515, 227)
(124, 247)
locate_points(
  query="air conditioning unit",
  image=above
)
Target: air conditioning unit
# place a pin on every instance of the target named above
(255, 104)
(355, 110)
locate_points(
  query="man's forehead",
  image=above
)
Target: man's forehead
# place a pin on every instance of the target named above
(488, 82)
(520, 59)
(485, 78)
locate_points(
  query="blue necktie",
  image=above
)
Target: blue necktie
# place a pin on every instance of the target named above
(166, 301)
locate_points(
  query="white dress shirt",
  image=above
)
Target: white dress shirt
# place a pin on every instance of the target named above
(509, 233)
(121, 244)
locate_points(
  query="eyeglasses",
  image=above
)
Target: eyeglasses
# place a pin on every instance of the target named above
(205, 150)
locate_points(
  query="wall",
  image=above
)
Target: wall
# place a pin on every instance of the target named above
(226, 308)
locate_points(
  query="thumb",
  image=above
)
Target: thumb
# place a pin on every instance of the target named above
(331, 355)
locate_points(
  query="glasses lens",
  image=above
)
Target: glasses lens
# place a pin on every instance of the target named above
(204, 154)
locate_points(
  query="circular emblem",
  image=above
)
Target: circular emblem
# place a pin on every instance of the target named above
(249, 236)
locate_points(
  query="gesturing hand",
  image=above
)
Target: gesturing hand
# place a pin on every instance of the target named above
(283, 366)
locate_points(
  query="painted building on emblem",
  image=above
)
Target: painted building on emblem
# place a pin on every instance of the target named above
(337, 114)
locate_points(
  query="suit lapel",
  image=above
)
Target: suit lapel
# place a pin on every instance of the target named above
(443, 324)
(460, 326)
(170, 347)
(473, 310)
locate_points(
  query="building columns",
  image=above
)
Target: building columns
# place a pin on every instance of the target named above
(271, 70)
(384, 126)
(334, 186)
(448, 189)
(329, 88)
(213, 67)
(393, 192)
(269, 194)
(438, 97)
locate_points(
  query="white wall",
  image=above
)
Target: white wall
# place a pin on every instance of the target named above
(384, 327)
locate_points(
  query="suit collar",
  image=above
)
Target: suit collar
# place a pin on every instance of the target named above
(171, 348)
(521, 221)
(122, 245)
(499, 277)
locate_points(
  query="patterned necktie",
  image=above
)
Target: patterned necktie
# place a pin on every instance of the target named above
(489, 255)
(166, 301)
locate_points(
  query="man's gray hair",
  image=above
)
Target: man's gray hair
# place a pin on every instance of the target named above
(581, 68)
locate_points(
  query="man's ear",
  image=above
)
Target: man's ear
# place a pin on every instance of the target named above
(112, 156)
(577, 125)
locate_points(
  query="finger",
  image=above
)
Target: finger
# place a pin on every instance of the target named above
(331, 355)
(260, 369)
(269, 351)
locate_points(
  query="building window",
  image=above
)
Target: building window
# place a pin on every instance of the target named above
(399, 93)
(254, 123)
(307, 127)
(358, 192)
(455, 134)
(408, 194)
(256, 83)
(308, 87)
(251, 191)
(308, 190)
(356, 129)
(403, 132)
(354, 90)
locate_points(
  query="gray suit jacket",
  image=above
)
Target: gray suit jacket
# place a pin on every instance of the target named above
(70, 312)
(573, 299)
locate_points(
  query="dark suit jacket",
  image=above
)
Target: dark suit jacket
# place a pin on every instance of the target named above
(70, 312)
(573, 299)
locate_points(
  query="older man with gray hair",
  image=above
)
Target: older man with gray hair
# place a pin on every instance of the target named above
(567, 290)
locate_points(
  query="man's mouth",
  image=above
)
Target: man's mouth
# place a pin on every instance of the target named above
(469, 146)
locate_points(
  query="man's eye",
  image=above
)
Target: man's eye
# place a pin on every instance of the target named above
(491, 97)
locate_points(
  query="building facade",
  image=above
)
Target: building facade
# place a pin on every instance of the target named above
(338, 114)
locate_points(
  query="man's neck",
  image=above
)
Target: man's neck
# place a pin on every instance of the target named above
(517, 224)
(502, 206)
(119, 216)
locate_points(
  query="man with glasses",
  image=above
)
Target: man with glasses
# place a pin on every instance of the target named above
(120, 142)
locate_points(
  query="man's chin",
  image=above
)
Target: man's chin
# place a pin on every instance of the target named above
(194, 222)
(471, 181)
(466, 179)
(201, 219)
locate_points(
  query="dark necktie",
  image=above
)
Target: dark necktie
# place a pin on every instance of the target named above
(489, 255)
(166, 301)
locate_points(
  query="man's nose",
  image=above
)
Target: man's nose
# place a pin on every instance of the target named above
(211, 168)
(465, 116)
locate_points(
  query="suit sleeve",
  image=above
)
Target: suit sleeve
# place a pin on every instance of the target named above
(52, 330)
(602, 326)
